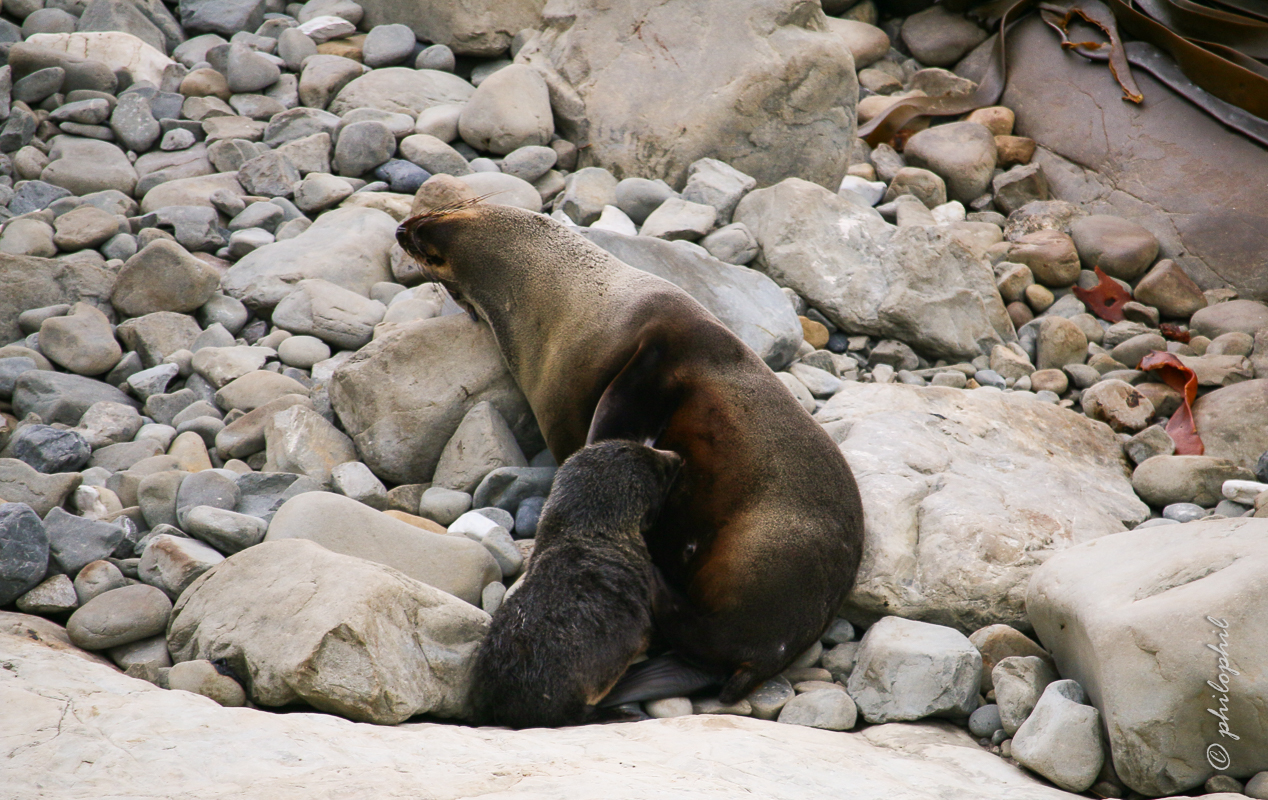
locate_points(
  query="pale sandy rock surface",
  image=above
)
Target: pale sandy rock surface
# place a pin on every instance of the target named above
(67, 711)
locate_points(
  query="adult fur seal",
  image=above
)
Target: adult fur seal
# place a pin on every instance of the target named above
(584, 611)
(760, 539)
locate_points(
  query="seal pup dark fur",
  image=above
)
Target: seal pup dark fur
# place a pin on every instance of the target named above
(583, 613)
(761, 537)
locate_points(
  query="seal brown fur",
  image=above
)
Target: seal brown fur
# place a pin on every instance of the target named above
(564, 637)
(760, 539)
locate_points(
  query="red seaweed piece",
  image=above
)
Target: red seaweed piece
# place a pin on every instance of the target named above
(1106, 299)
(1175, 374)
(1174, 332)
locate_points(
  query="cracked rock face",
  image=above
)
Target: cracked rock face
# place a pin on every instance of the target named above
(1102, 152)
(777, 100)
(966, 493)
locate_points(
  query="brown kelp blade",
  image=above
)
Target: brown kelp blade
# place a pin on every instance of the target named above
(1143, 55)
(1174, 373)
(1224, 79)
(1192, 21)
(1097, 14)
(884, 125)
(1106, 299)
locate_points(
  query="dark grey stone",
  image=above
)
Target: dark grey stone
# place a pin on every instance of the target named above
(388, 45)
(75, 542)
(23, 551)
(48, 449)
(402, 176)
(39, 85)
(10, 369)
(261, 494)
(163, 408)
(225, 17)
(526, 517)
(35, 196)
(60, 397)
(1261, 469)
(208, 488)
(507, 487)
(133, 122)
(17, 131)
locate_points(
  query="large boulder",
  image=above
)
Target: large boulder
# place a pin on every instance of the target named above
(454, 564)
(749, 303)
(471, 28)
(300, 623)
(195, 748)
(31, 282)
(349, 247)
(966, 493)
(1104, 153)
(1164, 629)
(402, 396)
(921, 285)
(645, 90)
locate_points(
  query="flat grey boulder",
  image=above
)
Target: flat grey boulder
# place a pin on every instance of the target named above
(196, 748)
(300, 623)
(919, 284)
(457, 565)
(402, 396)
(349, 247)
(654, 67)
(748, 302)
(1143, 620)
(965, 493)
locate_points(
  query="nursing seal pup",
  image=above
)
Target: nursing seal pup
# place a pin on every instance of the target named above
(583, 611)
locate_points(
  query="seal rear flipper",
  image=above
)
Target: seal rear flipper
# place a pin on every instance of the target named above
(636, 404)
(658, 678)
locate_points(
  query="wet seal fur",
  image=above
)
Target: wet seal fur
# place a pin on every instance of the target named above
(584, 610)
(760, 539)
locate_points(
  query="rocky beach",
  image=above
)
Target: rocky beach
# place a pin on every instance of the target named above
(262, 483)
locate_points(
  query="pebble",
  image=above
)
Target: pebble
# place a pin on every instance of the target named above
(669, 707)
(202, 677)
(119, 616)
(985, 721)
(55, 595)
(1243, 492)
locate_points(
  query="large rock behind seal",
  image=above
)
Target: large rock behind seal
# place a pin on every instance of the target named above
(648, 87)
(965, 494)
(1197, 186)
(402, 396)
(300, 623)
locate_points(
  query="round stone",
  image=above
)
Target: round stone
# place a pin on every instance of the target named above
(1121, 248)
(120, 616)
(302, 352)
(437, 56)
(387, 45)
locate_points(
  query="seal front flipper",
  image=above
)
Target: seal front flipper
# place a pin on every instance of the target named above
(658, 678)
(638, 402)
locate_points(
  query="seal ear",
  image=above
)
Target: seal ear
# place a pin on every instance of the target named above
(636, 405)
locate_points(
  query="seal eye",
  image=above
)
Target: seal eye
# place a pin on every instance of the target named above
(688, 551)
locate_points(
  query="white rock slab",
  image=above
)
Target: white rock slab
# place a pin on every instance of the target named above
(82, 729)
